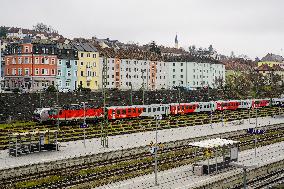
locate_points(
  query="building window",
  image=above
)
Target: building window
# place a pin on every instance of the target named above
(174, 76)
(27, 71)
(14, 71)
(52, 72)
(59, 73)
(42, 71)
(181, 70)
(36, 71)
(174, 82)
(26, 60)
(174, 70)
(95, 64)
(94, 55)
(96, 83)
(75, 73)
(67, 84)
(82, 63)
(88, 54)
(181, 76)
(75, 62)
(82, 73)
(174, 64)
(82, 54)
(20, 71)
(94, 74)
(36, 60)
(47, 61)
(20, 60)
(59, 62)
(68, 73)
(26, 49)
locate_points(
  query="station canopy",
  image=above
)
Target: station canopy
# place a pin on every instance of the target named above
(213, 143)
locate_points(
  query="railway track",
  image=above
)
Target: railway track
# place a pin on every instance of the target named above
(119, 127)
(168, 158)
(265, 181)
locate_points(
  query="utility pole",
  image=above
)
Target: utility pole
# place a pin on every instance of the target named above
(57, 101)
(255, 138)
(104, 123)
(131, 99)
(0, 69)
(244, 167)
(211, 116)
(156, 150)
(179, 109)
(84, 124)
(143, 88)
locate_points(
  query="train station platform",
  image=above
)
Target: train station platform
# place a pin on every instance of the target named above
(121, 142)
(183, 177)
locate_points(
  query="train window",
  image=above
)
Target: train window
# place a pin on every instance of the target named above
(154, 109)
(190, 107)
(117, 111)
(187, 107)
(178, 108)
(124, 111)
(139, 110)
(149, 109)
(200, 106)
(182, 107)
(144, 109)
(159, 109)
(134, 110)
(129, 110)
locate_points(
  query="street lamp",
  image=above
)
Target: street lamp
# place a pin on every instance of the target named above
(131, 98)
(255, 138)
(244, 167)
(84, 124)
(143, 96)
(157, 117)
(57, 101)
(211, 116)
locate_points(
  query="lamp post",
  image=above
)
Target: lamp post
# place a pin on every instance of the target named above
(84, 124)
(143, 87)
(211, 116)
(255, 138)
(179, 108)
(57, 101)
(157, 117)
(131, 98)
(244, 167)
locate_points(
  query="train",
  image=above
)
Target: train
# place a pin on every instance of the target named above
(79, 112)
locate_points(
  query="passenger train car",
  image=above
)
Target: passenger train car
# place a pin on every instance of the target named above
(77, 112)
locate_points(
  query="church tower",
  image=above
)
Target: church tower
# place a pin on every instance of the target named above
(176, 42)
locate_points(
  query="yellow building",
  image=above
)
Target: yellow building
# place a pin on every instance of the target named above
(270, 64)
(88, 67)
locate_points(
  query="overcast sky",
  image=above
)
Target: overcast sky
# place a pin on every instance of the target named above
(251, 27)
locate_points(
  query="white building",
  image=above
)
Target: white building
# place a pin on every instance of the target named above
(194, 75)
(126, 73)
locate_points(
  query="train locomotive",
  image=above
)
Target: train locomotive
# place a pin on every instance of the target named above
(77, 112)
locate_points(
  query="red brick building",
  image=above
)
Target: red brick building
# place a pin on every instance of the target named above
(30, 65)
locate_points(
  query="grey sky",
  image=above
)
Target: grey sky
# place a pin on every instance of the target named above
(252, 27)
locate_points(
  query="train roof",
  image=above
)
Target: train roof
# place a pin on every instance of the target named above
(138, 106)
